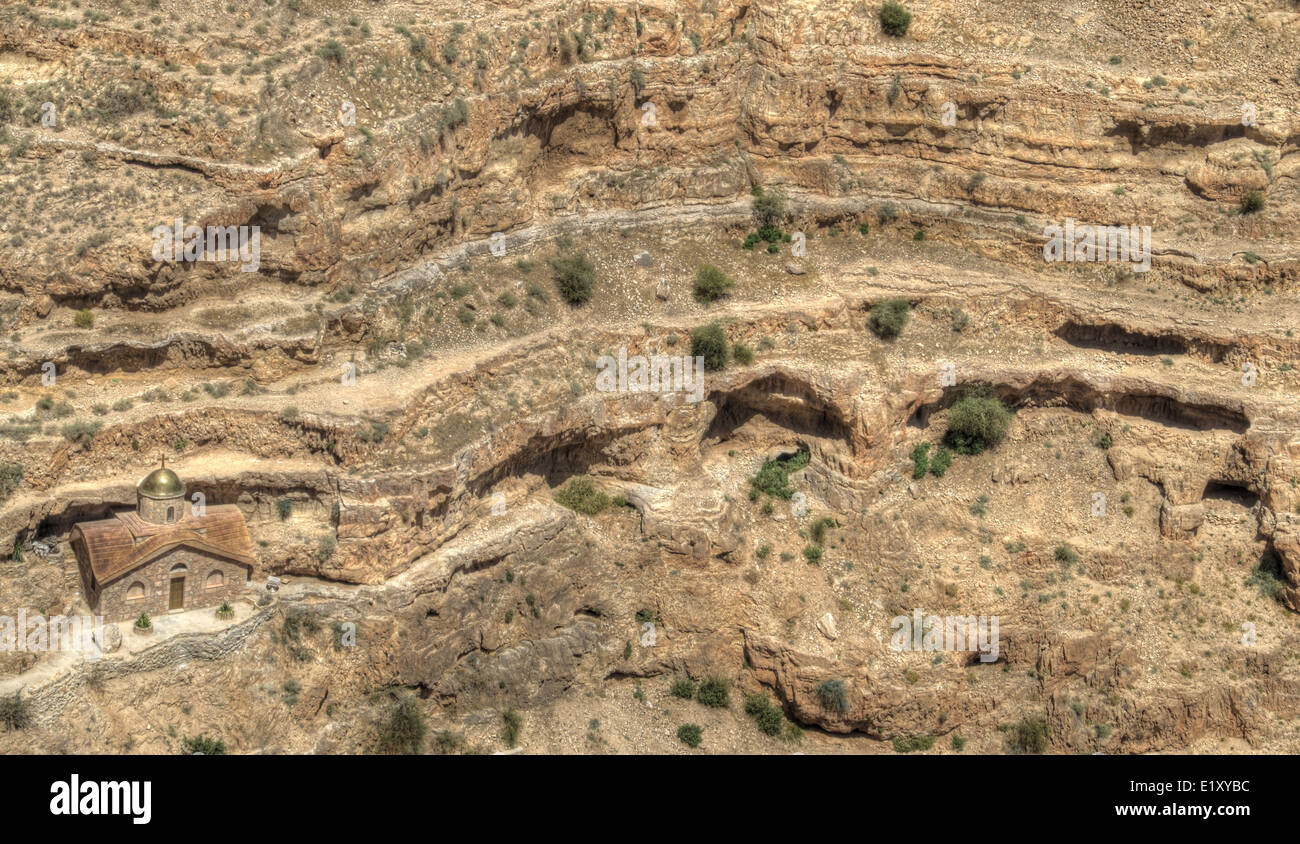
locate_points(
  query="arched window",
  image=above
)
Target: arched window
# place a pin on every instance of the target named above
(135, 592)
(215, 580)
(179, 568)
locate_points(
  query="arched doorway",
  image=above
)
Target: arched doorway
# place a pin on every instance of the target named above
(176, 596)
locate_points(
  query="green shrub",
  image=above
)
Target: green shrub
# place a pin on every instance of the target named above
(453, 115)
(119, 101)
(769, 209)
(711, 284)
(78, 431)
(575, 275)
(205, 746)
(298, 622)
(913, 743)
(683, 687)
(710, 342)
(15, 711)
(447, 742)
(894, 18)
(1028, 736)
(690, 734)
(920, 460)
(819, 528)
(888, 318)
(581, 495)
(743, 354)
(714, 692)
(1065, 554)
(813, 554)
(1253, 201)
(11, 475)
(769, 718)
(833, 695)
(143, 621)
(85, 318)
(976, 422)
(942, 460)
(512, 725)
(332, 51)
(403, 727)
(1267, 577)
(774, 478)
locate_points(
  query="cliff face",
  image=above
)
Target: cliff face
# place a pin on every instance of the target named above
(395, 395)
(421, 134)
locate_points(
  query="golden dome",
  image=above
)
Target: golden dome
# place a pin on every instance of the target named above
(161, 483)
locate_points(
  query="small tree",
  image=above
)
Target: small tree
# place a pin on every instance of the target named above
(1029, 736)
(894, 18)
(1253, 201)
(976, 422)
(575, 275)
(888, 318)
(711, 284)
(710, 342)
(144, 622)
(769, 207)
(403, 727)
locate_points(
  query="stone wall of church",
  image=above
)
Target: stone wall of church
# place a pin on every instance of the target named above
(201, 588)
(156, 509)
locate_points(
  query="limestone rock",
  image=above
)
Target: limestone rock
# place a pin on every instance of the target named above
(1180, 521)
(109, 639)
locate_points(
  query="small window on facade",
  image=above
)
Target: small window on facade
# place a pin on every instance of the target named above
(171, 514)
(136, 592)
(215, 580)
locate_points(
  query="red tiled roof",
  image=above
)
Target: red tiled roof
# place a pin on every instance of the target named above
(118, 545)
